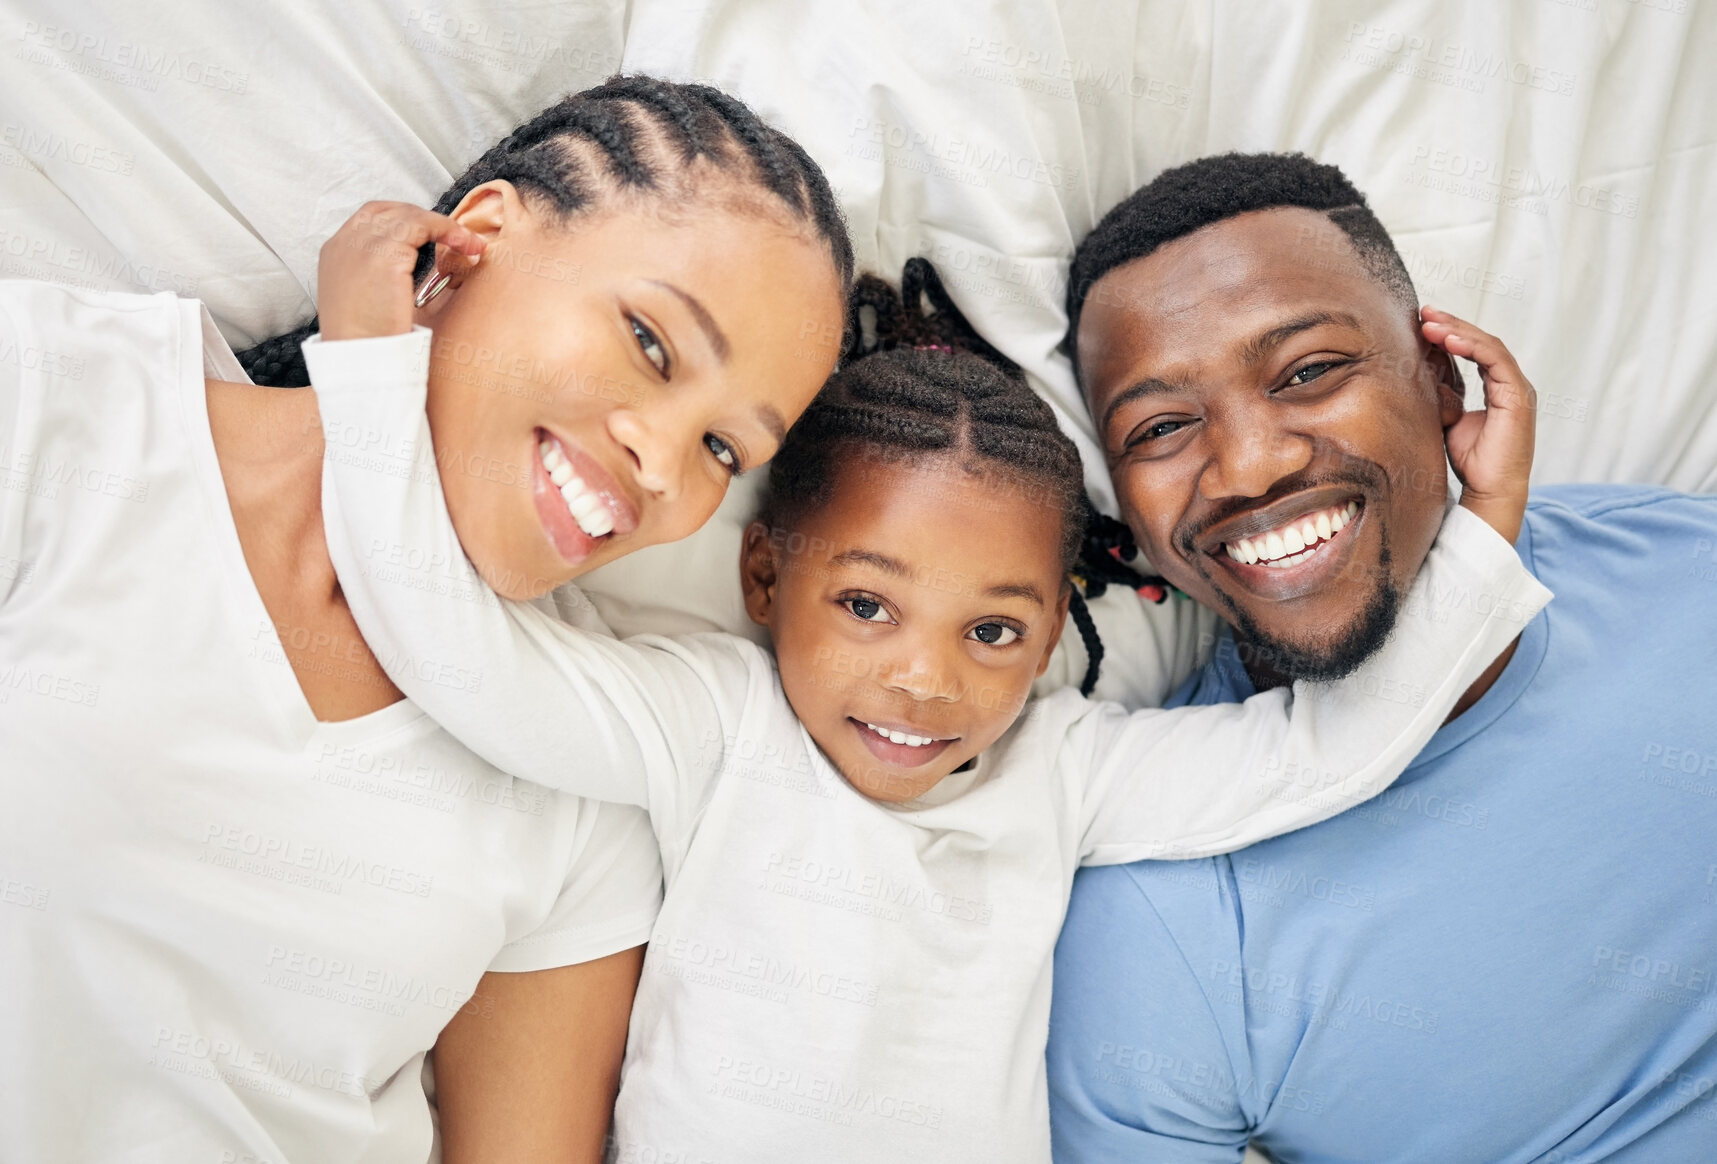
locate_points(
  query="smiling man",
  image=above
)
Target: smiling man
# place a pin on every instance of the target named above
(1512, 953)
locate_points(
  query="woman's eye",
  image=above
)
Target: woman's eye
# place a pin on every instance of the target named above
(866, 609)
(722, 452)
(995, 634)
(650, 346)
(1311, 372)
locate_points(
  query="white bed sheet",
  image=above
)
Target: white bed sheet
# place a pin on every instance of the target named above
(1548, 167)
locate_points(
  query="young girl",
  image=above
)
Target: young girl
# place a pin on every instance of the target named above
(868, 847)
(244, 886)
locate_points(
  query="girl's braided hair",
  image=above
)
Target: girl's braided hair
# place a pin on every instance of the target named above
(922, 381)
(627, 135)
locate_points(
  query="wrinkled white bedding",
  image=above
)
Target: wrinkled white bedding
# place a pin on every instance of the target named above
(1548, 167)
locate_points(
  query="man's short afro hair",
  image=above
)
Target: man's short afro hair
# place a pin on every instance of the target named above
(1187, 198)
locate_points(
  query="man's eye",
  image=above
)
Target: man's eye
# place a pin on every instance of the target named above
(1311, 372)
(722, 452)
(650, 346)
(1163, 428)
(996, 634)
(866, 609)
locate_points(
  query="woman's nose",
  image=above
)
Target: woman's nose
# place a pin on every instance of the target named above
(658, 458)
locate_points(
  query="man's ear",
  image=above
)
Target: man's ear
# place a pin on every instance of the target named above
(1446, 379)
(757, 572)
(1058, 623)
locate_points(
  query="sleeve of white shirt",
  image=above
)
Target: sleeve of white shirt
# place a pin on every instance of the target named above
(1196, 781)
(610, 897)
(540, 700)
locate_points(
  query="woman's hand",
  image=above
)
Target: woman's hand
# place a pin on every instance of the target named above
(363, 277)
(1490, 449)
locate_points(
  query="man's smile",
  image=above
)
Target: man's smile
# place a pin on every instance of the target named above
(1291, 547)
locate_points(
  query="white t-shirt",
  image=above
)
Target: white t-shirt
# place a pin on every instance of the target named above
(228, 932)
(832, 978)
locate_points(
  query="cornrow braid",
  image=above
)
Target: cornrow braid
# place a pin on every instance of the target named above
(628, 134)
(921, 382)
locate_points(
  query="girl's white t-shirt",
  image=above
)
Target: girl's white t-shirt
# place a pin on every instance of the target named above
(228, 932)
(833, 979)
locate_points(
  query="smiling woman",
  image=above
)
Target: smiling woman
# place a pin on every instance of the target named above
(653, 259)
(269, 886)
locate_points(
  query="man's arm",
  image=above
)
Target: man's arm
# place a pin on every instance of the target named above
(529, 1068)
(1144, 1064)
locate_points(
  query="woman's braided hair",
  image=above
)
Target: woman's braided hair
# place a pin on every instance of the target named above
(922, 381)
(634, 135)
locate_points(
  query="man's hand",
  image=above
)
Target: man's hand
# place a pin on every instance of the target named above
(363, 276)
(1490, 449)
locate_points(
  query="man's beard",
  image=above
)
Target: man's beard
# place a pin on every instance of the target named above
(1268, 658)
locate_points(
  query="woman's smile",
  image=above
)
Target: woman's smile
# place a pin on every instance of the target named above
(577, 500)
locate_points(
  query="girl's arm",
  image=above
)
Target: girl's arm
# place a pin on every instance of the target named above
(1201, 780)
(537, 698)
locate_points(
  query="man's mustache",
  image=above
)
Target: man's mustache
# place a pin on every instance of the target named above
(1363, 476)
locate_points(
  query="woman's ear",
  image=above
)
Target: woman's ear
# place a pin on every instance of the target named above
(486, 210)
(757, 572)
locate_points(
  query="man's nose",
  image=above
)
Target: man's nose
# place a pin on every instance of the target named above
(1247, 456)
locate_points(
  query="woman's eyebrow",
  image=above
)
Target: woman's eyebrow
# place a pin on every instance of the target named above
(711, 329)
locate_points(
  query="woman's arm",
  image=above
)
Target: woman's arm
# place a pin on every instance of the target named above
(1202, 780)
(529, 1068)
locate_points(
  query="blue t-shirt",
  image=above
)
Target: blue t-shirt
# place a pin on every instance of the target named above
(1509, 955)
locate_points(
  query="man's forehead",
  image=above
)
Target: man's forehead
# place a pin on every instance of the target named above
(1213, 288)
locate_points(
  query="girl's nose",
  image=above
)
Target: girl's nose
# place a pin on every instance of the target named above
(922, 678)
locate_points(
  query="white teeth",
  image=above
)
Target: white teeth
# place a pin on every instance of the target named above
(586, 508)
(901, 737)
(1295, 541)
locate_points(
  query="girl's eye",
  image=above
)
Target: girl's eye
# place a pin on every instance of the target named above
(1311, 372)
(650, 346)
(723, 453)
(995, 634)
(865, 609)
